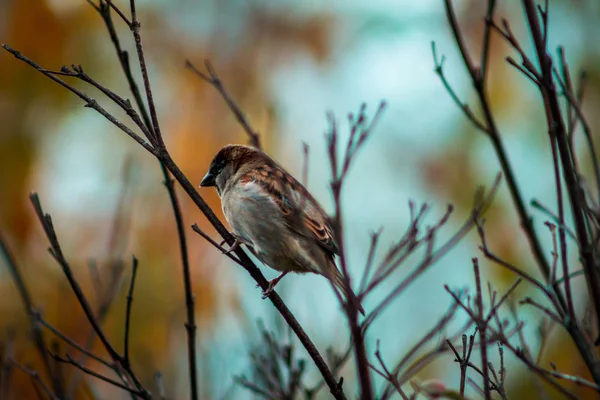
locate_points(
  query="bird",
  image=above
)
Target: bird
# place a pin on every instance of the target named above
(275, 216)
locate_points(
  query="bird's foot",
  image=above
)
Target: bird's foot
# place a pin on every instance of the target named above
(267, 292)
(236, 244)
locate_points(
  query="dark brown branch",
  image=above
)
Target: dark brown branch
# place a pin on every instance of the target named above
(90, 103)
(481, 323)
(496, 306)
(557, 128)
(522, 354)
(210, 240)
(527, 67)
(148, 128)
(523, 70)
(128, 311)
(201, 204)
(249, 266)
(487, 34)
(545, 310)
(494, 134)
(135, 27)
(429, 335)
(408, 245)
(574, 102)
(464, 360)
(118, 11)
(190, 325)
(539, 206)
(56, 252)
(421, 361)
(360, 130)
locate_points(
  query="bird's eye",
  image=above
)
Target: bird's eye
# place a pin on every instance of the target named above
(219, 167)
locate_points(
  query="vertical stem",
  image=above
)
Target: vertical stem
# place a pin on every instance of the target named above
(576, 196)
(190, 325)
(38, 337)
(482, 327)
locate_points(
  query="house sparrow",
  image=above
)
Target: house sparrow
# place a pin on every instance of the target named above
(275, 216)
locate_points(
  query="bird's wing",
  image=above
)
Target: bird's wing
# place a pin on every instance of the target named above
(299, 209)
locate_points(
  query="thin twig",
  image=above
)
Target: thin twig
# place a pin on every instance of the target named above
(213, 79)
(69, 341)
(38, 337)
(126, 359)
(172, 167)
(494, 134)
(56, 252)
(485, 51)
(482, 328)
(390, 377)
(89, 102)
(36, 377)
(439, 70)
(70, 360)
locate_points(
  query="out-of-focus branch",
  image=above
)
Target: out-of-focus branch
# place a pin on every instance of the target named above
(71, 342)
(464, 360)
(105, 293)
(482, 202)
(360, 131)
(128, 311)
(276, 372)
(156, 148)
(439, 70)
(493, 133)
(563, 156)
(574, 101)
(38, 337)
(387, 374)
(57, 254)
(417, 358)
(70, 360)
(558, 132)
(213, 79)
(89, 102)
(499, 334)
(36, 378)
(150, 123)
(481, 324)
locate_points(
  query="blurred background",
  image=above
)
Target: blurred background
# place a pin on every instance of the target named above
(286, 64)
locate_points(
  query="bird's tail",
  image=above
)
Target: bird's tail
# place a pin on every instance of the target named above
(340, 282)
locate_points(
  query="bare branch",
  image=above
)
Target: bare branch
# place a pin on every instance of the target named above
(213, 79)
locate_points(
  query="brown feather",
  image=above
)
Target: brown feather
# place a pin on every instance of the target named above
(294, 201)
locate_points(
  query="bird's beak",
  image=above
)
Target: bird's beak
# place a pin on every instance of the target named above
(208, 180)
